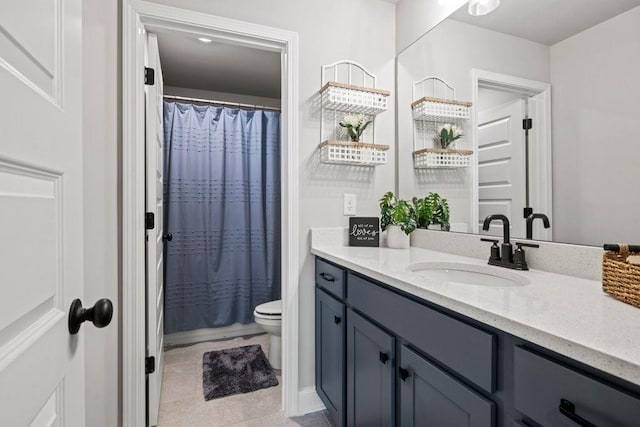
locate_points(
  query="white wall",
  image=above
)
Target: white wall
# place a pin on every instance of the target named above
(446, 52)
(415, 17)
(596, 112)
(221, 96)
(101, 134)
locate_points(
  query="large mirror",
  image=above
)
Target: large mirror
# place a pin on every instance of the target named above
(546, 96)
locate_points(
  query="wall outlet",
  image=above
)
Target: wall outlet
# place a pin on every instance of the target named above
(349, 204)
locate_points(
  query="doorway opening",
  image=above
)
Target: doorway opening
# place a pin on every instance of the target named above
(213, 258)
(143, 21)
(511, 127)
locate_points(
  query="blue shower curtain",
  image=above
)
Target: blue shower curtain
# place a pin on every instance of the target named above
(222, 206)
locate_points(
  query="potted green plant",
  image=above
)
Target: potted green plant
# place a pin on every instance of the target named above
(354, 125)
(447, 135)
(398, 218)
(432, 212)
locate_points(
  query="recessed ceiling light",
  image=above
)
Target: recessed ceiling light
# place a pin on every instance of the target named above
(204, 40)
(482, 7)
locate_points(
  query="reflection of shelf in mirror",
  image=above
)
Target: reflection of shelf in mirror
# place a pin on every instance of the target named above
(353, 99)
(441, 158)
(436, 109)
(353, 153)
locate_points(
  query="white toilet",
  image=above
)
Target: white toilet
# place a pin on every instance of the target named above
(269, 317)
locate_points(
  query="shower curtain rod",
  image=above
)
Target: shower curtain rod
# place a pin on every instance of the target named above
(211, 101)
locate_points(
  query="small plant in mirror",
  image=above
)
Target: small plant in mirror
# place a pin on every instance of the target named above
(354, 125)
(432, 210)
(398, 212)
(447, 134)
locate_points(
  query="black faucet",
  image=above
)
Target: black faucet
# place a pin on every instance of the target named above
(504, 256)
(507, 250)
(531, 218)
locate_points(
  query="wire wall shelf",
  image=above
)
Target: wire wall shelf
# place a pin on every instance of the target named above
(441, 158)
(435, 109)
(349, 89)
(434, 106)
(353, 153)
(353, 99)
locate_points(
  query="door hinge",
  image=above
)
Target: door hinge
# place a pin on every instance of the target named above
(149, 76)
(149, 220)
(527, 124)
(149, 365)
(527, 212)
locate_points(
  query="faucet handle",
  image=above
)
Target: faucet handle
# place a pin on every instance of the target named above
(489, 240)
(521, 245)
(495, 249)
(519, 256)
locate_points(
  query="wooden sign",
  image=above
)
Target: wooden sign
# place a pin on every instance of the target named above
(364, 231)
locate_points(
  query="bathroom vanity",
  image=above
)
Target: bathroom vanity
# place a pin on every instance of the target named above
(394, 347)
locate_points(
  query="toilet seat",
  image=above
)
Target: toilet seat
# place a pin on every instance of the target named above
(269, 310)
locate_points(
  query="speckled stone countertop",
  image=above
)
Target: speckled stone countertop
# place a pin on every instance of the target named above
(565, 314)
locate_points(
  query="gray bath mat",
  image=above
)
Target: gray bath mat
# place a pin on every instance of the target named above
(236, 370)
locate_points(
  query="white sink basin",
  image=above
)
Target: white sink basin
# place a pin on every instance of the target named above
(469, 274)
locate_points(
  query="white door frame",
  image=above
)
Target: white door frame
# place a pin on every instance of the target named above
(137, 17)
(540, 158)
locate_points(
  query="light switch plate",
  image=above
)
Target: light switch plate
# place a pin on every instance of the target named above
(349, 204)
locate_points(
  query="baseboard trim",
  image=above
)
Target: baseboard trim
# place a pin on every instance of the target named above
(309, 401)
(211, 334)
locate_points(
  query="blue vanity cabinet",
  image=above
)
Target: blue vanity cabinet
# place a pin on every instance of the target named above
(385, 358)
(430, 397)
(370, 373)
(330, 354)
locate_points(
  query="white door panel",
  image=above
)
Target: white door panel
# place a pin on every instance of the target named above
(155, 244)
(41, 363)
(501, 166)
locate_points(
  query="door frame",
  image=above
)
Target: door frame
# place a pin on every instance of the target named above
(541, 188)
(138, 16)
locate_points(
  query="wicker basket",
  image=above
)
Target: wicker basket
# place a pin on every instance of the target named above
(621, 279)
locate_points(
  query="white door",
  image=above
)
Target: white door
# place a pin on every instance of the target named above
(41, 363)
(501, 167)
(155, 267)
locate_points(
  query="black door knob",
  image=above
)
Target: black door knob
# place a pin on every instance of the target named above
(100, 314)
(167, 237)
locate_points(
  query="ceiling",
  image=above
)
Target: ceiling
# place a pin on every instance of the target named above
(546, 21)
(221, 67)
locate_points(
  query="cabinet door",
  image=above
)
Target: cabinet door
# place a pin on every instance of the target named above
(370, 374)
(430, 397)
(330, 354)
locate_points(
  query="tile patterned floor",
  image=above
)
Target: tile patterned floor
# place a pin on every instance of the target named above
(182, 400)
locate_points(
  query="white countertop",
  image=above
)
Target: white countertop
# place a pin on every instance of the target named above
(568, 315)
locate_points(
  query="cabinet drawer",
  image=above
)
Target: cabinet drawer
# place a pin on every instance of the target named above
(541, 383)
(469, 351)
(330, 278)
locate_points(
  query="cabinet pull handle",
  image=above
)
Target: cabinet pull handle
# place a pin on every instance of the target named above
(384, 358)
(568, 409)
(327, 277)
(337, 319)
(404, 374)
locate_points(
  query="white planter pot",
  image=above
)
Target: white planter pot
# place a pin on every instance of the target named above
(396, 238)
